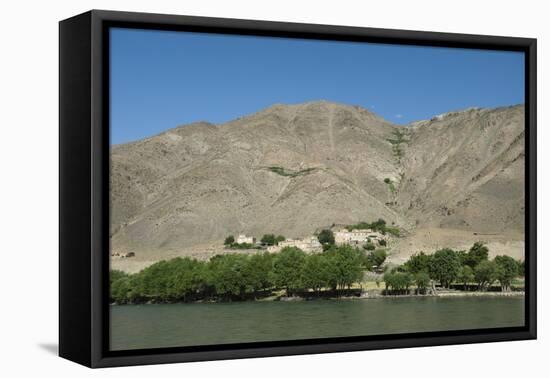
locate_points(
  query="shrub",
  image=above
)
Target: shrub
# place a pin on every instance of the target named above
(268, 239)
(376, 258)
(229, 240)
(241, 246)
(326, 237)
(369, 246)
(379, 225)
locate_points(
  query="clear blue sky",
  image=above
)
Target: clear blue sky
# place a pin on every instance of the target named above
(160, 79)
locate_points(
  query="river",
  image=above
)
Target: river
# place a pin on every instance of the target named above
(169, 325)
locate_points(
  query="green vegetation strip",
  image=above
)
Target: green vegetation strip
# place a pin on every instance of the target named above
(379, 225)
(240, 276)
(335, 271)
(289, 173)
(396, 141)
(456, 270)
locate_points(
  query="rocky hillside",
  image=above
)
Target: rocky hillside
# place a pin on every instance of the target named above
(291, 169)
(465, 170)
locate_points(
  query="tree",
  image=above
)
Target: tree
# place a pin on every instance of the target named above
(346, 266)
(228, 275)
(120, 290)
(422, 280)
(444, 266)
(419, 262)
(155, 281)
(379, 225)
(257, 272)
(179, 279)
(376, 258)
(389, 280)
(316, 272)
(382, 242)
(485, 273)
(398, 282)
(465, 275)
(287, 269)
(268, 239)
(229, 240)
(326, 237)
(521, 267)
(116, 275)
(508, 270)
(478, 253)
(188, 278)
(463, 256)
(358, 226)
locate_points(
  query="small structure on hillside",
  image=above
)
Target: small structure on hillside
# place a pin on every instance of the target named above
(243, 239)
(310, 244)
(357, 237)
(123, 255)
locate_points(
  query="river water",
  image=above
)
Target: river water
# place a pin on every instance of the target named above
(169, 325)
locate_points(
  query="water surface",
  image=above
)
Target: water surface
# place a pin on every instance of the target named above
(169, 325)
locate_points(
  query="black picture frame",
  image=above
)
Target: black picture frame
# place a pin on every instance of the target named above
(84, 190)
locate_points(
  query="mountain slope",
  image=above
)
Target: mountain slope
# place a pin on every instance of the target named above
(291, 169)
(466, 170)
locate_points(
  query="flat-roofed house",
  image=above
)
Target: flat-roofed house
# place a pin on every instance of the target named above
(310, 244)
(243, 239)
(356, 237)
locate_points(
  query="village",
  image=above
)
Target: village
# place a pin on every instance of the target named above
(366, 237)
(333, 262)
(313, 243)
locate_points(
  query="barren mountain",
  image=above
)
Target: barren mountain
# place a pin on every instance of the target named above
(291, 169)
(466, 170)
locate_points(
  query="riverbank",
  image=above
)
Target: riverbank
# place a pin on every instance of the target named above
(379, 295)
(449, 294)
(369, 294)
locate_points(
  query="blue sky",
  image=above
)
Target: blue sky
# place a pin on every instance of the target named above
(161, 79)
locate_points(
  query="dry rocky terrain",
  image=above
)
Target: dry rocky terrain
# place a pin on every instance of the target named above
(293, 169)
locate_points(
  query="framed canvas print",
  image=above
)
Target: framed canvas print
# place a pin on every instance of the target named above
(234, 188)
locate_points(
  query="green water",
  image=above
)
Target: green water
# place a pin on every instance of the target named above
(168, 325)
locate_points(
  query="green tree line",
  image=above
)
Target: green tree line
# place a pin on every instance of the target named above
(238, 276)
(243, 276)
(447, 267)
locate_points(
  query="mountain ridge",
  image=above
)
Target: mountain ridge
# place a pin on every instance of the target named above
(196, 184)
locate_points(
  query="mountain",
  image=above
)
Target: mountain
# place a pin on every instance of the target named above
(292, 169)
(466, 170)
